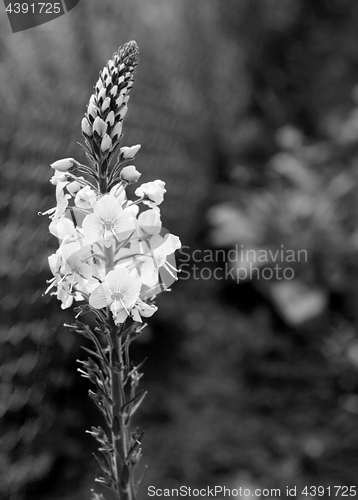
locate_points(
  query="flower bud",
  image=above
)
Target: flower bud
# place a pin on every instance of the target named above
(114, 91)
(99, 84)
(130, 152)
(120, 99)
(86, 127)
(93, 100)
(130, 174)
(100, 126)
(102, 94)
(106, 104)
(116, 133)
(64, 165)
(92, 110)
(110, 119)
(106, 143)
(123, 112)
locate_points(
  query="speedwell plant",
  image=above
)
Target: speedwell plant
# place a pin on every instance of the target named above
(114, 257)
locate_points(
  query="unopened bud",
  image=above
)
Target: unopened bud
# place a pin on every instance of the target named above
(92, 110)
(114, 91)
(130, 174)
(123, 112)
(106, 104)
(100, 126)
(106, 143)
(93, 100)
(110, 119)
(116, 133)
(64, 165)
(86, 127)
(130, 152)
(120, 99)
(102, 94)
(99, 85)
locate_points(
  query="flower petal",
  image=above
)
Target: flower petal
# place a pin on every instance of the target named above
(120, 280)
(107, 208)
(150, 221)
(120, 317)
(92, 228)
(99, 297)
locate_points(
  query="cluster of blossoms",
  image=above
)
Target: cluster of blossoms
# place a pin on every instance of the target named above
(113, 252)
(110, 252)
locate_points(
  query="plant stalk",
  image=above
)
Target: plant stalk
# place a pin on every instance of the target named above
(121, 436)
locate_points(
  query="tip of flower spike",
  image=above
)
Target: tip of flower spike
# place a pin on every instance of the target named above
(128, 53)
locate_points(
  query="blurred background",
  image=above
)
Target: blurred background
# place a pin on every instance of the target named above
(248, 110)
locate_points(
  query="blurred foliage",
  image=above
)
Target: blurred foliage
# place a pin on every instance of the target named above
(248, 110)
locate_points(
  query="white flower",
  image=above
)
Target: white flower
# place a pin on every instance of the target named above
(153, 192)
(108, 219)
(73, 264)
(64, 288)
(143, 309)
(156, 257)
(62, 201)
(119, 291)
(149, 222)
(85, 198)
(64, 165)
(130, 174)
(63, 228)
(58, 177)
(74, 186)
(130, 152)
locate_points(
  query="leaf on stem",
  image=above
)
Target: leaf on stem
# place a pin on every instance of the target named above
(133, 404)
(125, 477)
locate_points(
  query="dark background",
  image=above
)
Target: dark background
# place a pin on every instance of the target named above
(248, 110)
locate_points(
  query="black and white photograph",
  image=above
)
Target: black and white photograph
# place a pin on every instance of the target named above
(179, 249)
